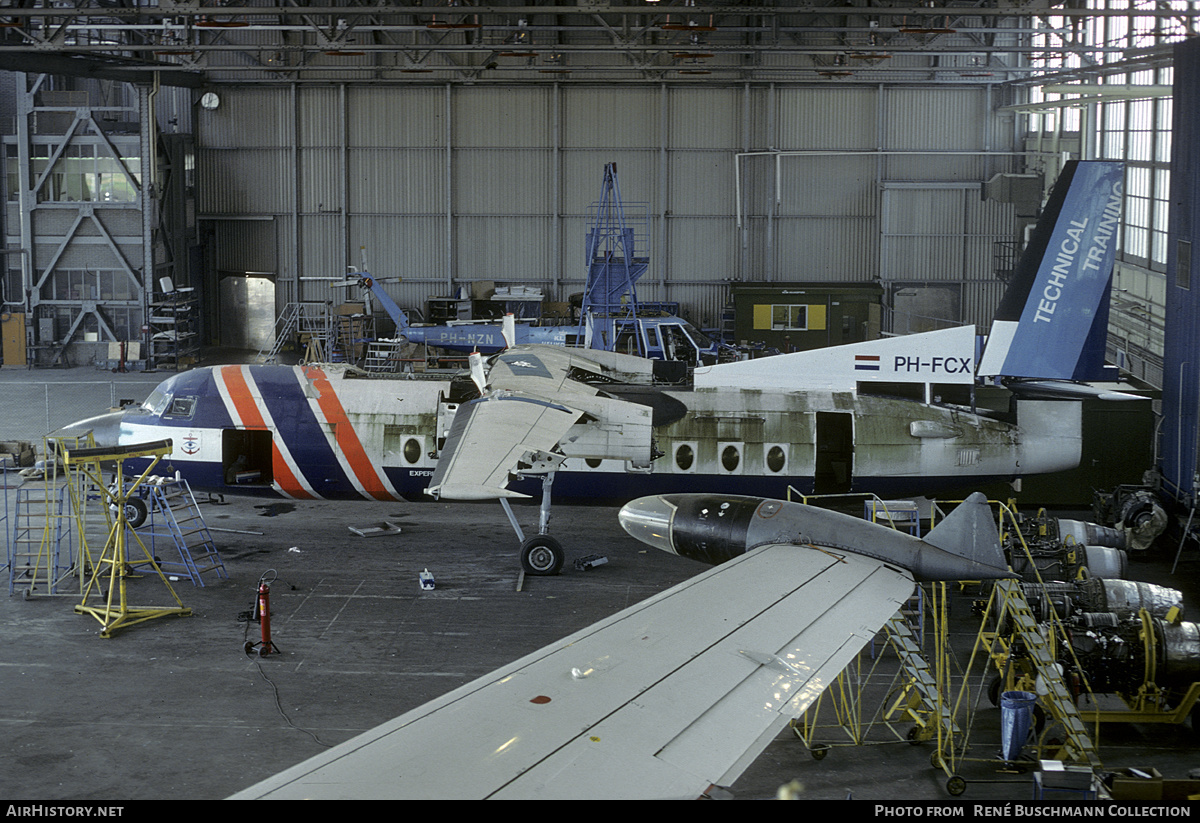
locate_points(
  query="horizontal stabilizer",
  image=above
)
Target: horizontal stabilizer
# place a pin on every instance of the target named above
(1065, 390)
(941, 356)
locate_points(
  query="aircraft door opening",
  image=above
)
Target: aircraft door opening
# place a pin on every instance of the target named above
(835, 453)
(246, 457)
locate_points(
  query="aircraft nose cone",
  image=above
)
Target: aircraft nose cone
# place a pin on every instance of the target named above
(105, 429)
(648, 519)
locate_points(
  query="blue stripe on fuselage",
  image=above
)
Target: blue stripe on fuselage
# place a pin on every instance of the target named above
(297, 424)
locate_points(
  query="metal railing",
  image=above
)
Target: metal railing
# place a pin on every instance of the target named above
(29, 410)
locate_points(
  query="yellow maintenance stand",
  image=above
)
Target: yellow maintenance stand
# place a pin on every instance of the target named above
(113, 564)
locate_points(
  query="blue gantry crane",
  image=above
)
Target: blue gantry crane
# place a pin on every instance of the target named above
(614, 265)
(610, 318)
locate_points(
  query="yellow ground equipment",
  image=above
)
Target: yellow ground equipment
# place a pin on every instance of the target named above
(113, 565)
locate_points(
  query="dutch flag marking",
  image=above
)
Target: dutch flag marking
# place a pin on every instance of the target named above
(866, 362)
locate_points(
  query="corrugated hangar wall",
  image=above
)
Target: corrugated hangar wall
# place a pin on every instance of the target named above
(444, 185)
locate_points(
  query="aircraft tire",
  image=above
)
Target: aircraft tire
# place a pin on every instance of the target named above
(542, 555)
(136, 511)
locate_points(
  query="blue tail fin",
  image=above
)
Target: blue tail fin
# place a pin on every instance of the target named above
(385, 299)
(1053, 320)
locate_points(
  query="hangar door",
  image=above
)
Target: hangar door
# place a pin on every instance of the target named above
(242, 273)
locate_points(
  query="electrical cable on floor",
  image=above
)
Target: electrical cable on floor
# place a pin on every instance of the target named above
(247, 617)
(279, 708)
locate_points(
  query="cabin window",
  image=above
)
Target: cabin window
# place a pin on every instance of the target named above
(402, 443)
(776, 459)
(685, 457)
(412, 451)
(156, 402)
(731, 457)
(699, 338)
(593, 463)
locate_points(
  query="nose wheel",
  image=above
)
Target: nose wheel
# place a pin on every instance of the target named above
(541, 555)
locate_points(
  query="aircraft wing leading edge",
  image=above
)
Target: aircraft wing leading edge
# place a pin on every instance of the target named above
(661, 700)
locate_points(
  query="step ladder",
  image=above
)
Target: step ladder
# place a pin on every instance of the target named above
(175, 526)
(307, 322)
(1078, 746)
(919, 699)
(352, 333)
(385, 357)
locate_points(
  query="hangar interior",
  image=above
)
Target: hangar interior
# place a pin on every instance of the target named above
(189, 183)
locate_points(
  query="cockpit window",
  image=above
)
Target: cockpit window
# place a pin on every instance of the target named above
(157, 402)
(701, 339)
(182, 407)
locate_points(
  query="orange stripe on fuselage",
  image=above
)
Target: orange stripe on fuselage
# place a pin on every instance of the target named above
(346, 437)
(252, 418)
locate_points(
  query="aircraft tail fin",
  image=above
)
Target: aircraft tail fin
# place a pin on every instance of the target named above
(385, 299)
(970, 532)
(1053, 320)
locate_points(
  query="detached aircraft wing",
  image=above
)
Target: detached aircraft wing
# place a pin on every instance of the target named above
(490, 437)
(532, 400)
(662, 700)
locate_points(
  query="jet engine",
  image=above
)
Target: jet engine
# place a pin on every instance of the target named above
(1064, 549)
(1122, 598)
(1120, 655)
(1134, 510)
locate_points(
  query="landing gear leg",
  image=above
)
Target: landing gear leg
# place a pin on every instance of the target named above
(541, 554)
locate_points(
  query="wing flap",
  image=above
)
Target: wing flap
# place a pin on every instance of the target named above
(658, 700)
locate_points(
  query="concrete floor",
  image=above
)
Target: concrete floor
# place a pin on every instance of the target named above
(175, 708)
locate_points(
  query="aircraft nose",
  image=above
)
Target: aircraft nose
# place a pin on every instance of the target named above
(105, 429)
(649, 520)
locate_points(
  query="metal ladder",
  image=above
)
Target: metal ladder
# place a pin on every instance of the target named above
(174, 516)
(299, 319)
(920, 699)
(40, 551)
(47, 540)
(1078, 746)
(384, 357)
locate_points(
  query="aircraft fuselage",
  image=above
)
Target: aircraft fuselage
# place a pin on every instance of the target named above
(314, 432)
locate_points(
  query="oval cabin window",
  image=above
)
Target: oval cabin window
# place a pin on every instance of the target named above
(412, 450)
(730, 457)
(684, 457)
(776, 459)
